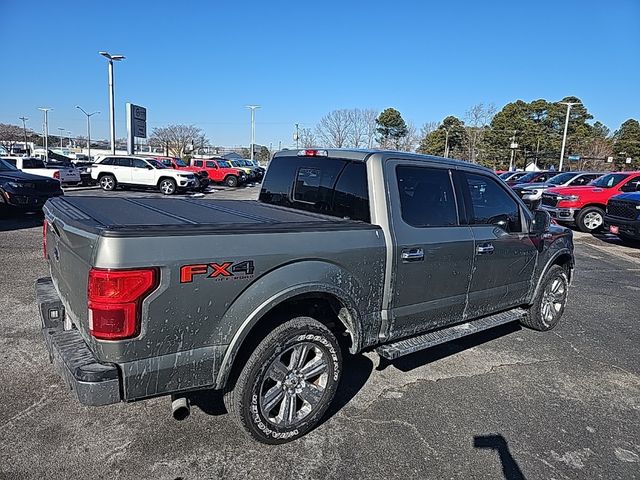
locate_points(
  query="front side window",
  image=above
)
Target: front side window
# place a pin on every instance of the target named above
(123, 162)
(137, 163)
(610, 180)
(632, 185)
(426, 197)
(224, 164)
(491, 204)
(32, 163)
(197, 163)
(211, 164)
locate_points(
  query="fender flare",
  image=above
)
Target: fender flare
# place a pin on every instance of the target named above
(352, 322)
(552, 261)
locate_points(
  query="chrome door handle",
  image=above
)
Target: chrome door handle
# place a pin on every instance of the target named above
(412, 255)
(484, 249)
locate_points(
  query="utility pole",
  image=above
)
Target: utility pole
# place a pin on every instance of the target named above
(61, 130)
(446, 143)
(46, 131)
(297, 137)
(24, 128)
(112, 114)
(513, 147)
(253, 127)
(88, 129)
(564, 137)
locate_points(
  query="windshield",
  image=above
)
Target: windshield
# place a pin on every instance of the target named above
(180, 163)
(562, 178)
(224, 164)
(155, 163)
(6, 167)
(609, 181)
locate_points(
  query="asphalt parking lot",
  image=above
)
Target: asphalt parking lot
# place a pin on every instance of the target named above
(508, 403)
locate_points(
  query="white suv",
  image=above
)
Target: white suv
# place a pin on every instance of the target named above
(123, 170)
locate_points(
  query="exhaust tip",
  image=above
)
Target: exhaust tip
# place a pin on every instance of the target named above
(180, 408)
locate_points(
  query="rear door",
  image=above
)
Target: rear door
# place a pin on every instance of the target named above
(433, 251)
(504, 256)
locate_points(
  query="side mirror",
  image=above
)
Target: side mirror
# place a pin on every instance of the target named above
(149, 167)
(541, 222)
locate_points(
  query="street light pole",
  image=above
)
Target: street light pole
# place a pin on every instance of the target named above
(446, 143)
(112, 114)
(566, 125)
(88, 129)
(46, 131)
(253, 127)
(297, 137)
(61, 130)
(24, 128)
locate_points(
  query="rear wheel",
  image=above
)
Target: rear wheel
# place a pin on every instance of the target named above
(288, 382)
(590, 219)
(108, 182)
(548, 304)
(231, 181)
(167, 186)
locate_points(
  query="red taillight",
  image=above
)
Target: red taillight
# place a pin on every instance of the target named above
(44, 238)
(56, 175)
(114, 299)
(313, 153)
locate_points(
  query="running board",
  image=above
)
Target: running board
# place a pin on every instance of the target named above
(397, 349)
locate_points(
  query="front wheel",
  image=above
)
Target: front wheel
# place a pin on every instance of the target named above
(549, 303)
(231, 181)
(288, 382)
(167, 186)
(590, 219)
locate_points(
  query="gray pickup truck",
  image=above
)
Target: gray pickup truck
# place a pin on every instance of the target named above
(344, 250)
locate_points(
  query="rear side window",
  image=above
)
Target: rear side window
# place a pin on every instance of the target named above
(331, 186)
(197, 163)
(32, 163)
(491, 204)
(426, 197)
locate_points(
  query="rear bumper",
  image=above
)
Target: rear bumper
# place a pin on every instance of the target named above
(561, 214)
(94, 383)
(626, 227)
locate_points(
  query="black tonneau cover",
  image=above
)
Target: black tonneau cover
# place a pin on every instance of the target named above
(134, 217)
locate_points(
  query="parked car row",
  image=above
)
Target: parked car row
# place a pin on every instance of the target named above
(593, 201)
(171, 174)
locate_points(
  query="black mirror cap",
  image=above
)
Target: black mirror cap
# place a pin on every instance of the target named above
(541, 222)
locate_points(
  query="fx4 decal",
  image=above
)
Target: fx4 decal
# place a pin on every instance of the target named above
(217, 270)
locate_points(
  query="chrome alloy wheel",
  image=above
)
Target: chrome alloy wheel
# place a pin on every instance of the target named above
(107, 183)
(553, 300)
(593, 220)
(167, 187)
(294, 384)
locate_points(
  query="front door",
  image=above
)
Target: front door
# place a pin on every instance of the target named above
(142, 173)
(433, 252)
(505, 256)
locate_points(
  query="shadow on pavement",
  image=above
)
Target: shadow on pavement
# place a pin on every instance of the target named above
(423, 357)
(19, 221)
(510, 468)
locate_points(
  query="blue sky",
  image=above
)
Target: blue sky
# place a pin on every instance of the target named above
(201, 62)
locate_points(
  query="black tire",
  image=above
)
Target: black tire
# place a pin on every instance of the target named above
(108, 182)
(231, 181)
(585, 219)
(167, 186)
(244, 397)
(537, 317)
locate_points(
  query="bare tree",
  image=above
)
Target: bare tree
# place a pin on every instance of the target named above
(409, 143)
(428, 127)
(369, 117)
(477, 118)
(306, 138)
(335, 128)
(10, 135)
(178, 139)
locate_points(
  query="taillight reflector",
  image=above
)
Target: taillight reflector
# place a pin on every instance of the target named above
(44, 238)
(114, 300)
(56, 175)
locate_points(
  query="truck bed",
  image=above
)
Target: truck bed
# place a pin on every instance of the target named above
(139, 217)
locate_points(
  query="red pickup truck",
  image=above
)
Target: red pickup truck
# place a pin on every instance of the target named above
(177, 164)
(220, 171)
(585, 206)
